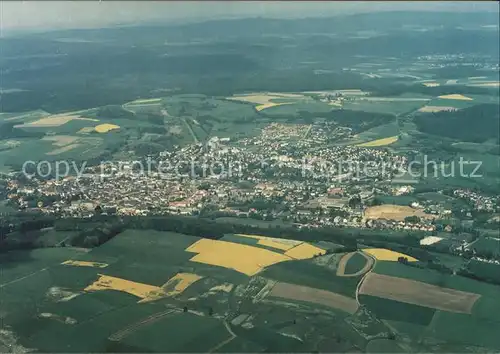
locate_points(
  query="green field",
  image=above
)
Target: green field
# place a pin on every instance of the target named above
(46, 307)
(485, 243)
(355, 263)
(398, 311)
(394, 106)
(485, 270)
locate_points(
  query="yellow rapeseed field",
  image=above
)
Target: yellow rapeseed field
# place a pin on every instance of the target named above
(85, 264)
(175, 286)
(380, 142)
(106, 282)
(304, 251)
(382, 254)
(456, 97)
(280, 244)
(104, 128)
(245, 259)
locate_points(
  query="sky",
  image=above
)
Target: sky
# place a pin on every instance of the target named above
(46, 15)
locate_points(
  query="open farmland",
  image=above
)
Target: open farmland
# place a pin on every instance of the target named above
(316, 296)
(354, 264)
(265, 100)
(394, 212)
(381, 254)
(418, 293)
(141, 283)
(380, 142)
(246, 259)
(55, 121)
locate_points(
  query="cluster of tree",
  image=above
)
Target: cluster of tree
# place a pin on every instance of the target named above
(476, 124)
(8, 131)
(412, 219)
(467, 273)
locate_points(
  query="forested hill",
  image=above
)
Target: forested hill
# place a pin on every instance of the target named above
(475, 124)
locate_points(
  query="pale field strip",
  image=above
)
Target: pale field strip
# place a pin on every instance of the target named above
(85, 264)
(394, 99)
(394, 212)
(281, 244)
(54, 121)
(60, 140)
(226, 288)
(380, 142)
(382, 254)
(432, 109)
(125, 332)
(175, 286)
(246, 259)
(40, 112)
(86, 130)
(430, 240)
(63, 149)
(456, 96)
(269, 105)
(418, 293)
(263, 99)
(144, 101)
(314, 296)
(485, 84)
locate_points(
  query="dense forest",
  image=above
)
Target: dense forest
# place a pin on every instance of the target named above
(475, 124)
(116, 65)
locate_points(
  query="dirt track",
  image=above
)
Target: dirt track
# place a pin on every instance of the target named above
(418, 293)
(313, 295)
(345, 259)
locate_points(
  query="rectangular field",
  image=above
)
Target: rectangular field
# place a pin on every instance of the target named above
(418, 293)
(315, 296)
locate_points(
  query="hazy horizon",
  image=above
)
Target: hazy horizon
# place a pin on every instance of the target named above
(49, 15)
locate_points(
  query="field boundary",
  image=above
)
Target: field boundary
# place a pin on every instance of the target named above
(344, 260)
(125, 332)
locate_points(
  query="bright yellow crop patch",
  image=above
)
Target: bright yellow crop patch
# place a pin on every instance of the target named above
(106, 282)
(104, 128)
(304, 251)
(175, 286)
(245, 259)
(380, 142)
(382, 254)
(456, 97)
(85, 264)
(278, 243)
